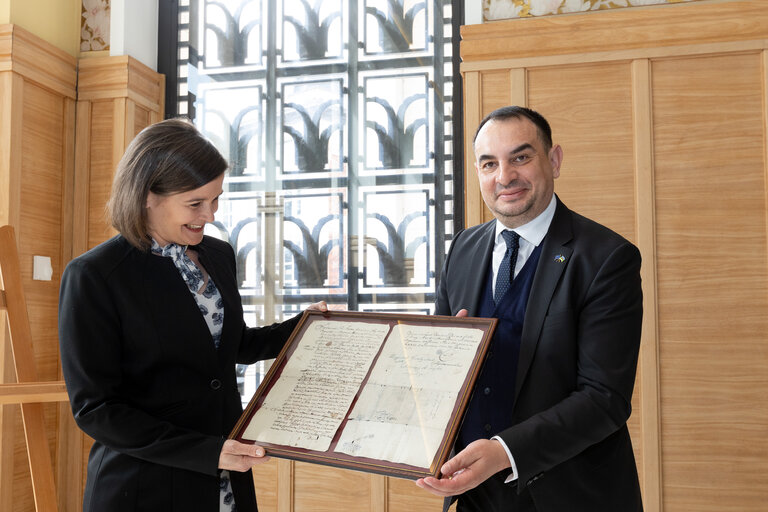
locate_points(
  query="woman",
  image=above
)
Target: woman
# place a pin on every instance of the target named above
(151, 327)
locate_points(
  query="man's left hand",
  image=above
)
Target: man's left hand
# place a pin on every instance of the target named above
(468, 469)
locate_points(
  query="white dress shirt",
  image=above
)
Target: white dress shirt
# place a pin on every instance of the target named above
(531, 236)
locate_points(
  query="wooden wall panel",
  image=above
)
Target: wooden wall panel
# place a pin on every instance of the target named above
(41, 197)
(40, 218)
(117, 98)
(404, 495)
(495, 92)
(265, 481)
(102, 170)
(37, 87)
(712, 268)
(590, 110)
(326, 489)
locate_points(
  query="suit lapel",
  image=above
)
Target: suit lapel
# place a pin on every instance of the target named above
(474, 286)
(218, 272)
(176, 313)
(554, 258)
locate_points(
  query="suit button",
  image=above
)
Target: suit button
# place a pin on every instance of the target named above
(487, 391)
(487, 427)
(215, 384)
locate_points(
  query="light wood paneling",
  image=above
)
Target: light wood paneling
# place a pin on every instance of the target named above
(265, 481)
(29, 56)
(326, 489)
(590, 110)
(709, 23)
(712, 270)
(102, 170)
(649, 461)
(37, 91)
(494, 86)
(663, 116)
(117, 98)
(474, 209)
(110, 78)
(404, 495)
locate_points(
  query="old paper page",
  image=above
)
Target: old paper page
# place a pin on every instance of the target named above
(318, 383)
(407, 402)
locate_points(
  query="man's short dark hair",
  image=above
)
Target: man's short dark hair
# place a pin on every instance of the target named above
(516, 112)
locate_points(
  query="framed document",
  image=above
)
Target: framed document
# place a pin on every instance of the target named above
(376, 392)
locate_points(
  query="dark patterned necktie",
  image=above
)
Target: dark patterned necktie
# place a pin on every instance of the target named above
(507, 267)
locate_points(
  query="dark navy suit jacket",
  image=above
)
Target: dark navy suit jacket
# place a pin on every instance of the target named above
(145, 380)
(577, 364)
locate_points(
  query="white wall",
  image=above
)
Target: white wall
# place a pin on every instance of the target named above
(473, 12)
(134, 30)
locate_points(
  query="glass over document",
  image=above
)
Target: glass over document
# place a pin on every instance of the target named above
(375, 392)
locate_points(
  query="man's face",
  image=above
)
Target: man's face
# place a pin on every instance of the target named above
(516, 173)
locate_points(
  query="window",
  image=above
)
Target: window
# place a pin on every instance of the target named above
(337, 118)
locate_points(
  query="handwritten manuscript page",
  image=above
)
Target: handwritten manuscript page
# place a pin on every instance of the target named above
(372, 391)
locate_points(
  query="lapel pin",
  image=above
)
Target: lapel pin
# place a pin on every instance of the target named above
(559, 258)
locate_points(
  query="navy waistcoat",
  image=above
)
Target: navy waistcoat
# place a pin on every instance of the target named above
(490, 408)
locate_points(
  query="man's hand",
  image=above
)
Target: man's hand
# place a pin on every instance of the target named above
(237, 456)
(468, 469)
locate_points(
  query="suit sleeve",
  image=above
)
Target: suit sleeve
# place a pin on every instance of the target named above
(256, 343)
(91, 345)
(442, 303)
(605, 329)
(266, 342)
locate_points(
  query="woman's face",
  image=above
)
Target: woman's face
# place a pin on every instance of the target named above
(180, 218)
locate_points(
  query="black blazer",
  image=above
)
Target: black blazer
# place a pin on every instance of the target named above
(145, 380)
(578, 358)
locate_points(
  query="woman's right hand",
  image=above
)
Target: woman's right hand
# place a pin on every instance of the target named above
(237, 456)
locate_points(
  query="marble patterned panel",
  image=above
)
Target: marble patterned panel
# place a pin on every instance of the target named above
(506, 9)
(94, 25)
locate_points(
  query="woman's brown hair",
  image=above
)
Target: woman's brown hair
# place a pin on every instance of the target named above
(165, 158)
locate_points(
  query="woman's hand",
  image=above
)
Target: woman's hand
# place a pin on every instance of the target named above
(319, 306)
(237, 456)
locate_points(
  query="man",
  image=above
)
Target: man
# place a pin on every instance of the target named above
(545, 429)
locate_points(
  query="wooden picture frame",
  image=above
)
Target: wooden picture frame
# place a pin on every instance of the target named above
(376, 392)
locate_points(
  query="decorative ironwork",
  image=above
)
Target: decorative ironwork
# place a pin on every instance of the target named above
(232, 36)
(311, 259)
(312, 34)
(310, 126)
(396, 138)
(333, 115)
(396, 24)
(396, 257)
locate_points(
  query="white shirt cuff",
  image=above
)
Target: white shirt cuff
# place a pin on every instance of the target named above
(513, 476)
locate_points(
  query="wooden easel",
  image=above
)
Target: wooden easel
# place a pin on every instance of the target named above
(27, 392)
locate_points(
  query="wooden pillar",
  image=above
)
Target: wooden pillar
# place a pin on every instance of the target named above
(116, 98)
(37, 99)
